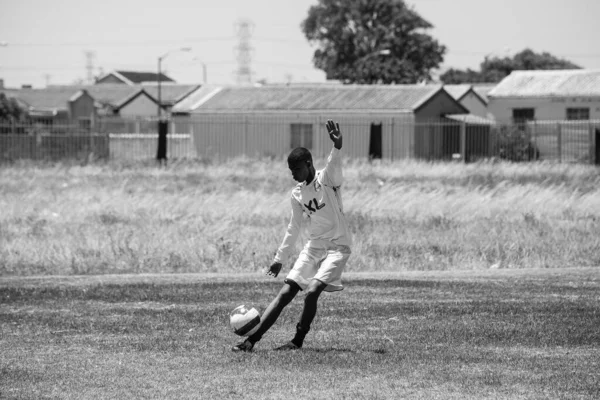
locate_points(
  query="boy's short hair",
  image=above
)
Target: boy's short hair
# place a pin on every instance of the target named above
(299, 154)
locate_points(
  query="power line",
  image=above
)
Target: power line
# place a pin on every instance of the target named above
(121, 43)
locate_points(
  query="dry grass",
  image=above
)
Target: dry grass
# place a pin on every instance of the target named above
(203, 217)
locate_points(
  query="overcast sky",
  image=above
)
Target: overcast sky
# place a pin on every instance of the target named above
(46, 40)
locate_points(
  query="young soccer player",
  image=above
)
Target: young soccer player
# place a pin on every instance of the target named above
(320, 265)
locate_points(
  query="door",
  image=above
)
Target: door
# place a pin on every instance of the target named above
(375, 144)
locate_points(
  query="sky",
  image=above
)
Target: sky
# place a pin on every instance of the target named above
(45, 42)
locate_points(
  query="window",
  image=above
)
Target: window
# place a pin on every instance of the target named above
(302, 135)
(574, 114)
(521, 115)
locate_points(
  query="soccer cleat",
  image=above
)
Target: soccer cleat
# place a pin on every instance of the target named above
(288, 346)
(245, 346)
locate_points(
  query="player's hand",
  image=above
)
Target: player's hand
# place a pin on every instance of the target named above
(333, 128)
(274, 270)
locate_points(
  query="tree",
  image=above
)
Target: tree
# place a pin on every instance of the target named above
(494, 69)
(9, 108)
(371, 41)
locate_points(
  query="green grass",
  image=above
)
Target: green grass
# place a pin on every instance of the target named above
(502, 334)
(205, 217)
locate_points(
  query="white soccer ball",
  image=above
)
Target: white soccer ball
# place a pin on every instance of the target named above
(244, 320)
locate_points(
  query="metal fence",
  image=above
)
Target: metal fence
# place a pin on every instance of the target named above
(222, 137)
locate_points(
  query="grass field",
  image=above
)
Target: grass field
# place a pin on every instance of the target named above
(466, 282)
(495, 334)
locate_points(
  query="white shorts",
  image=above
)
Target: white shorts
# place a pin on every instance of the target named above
(323, 261)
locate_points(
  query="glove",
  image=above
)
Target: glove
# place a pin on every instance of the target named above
(274, 270)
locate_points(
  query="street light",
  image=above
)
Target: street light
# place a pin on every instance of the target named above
(204, 78)
(161, 150)
(160, 59)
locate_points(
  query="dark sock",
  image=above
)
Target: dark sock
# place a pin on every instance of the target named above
(301, 332)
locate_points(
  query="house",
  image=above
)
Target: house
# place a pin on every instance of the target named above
(380, 121)
(547, 95)
(55, 105)
(558, 111)
(132, 78)
(466, 95)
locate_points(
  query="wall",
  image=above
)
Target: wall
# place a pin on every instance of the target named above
(437, 106)
(82, 107)
(429, 135)
(269, 134)
(550, 109)
(141, 106)
(474, 104)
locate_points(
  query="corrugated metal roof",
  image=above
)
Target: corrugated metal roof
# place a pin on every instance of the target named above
(49, 98)
(552, 83)
(314, 97)
(115, 95)
(170, 93)
(112, 93)
(196, 98)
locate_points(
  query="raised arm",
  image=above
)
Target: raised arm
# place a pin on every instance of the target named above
(333, 170)
(333, 128)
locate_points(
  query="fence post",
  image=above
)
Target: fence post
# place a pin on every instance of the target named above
(591, 142)
(463, 141)
(534, 137)
(559, 141)
(245, 135)
(392, 139)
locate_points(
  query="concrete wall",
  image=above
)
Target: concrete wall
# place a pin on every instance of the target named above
(546, 109)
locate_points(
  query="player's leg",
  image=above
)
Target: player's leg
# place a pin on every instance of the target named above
(287, 293)
(284, 297)
(327, 278)
(314, 290)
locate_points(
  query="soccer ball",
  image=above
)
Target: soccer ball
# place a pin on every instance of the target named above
(244, 320)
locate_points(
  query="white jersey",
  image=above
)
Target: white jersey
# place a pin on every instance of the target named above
(321, 202)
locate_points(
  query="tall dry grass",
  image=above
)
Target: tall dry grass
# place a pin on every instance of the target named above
(197, 217)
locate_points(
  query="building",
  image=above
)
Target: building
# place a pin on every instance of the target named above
(55, 105)
(547, 96)
(379, 121)
(132, 78)
(466, 95)
(56, 102)
(557, 111)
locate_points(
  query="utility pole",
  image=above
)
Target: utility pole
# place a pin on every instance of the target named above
(89, 66)
(244, 51)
